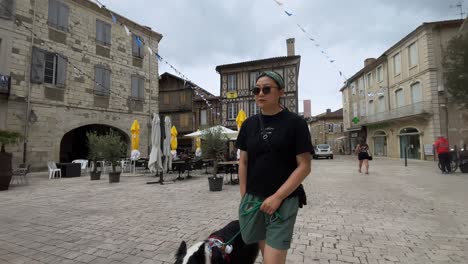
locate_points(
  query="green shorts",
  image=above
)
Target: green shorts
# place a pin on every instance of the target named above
(276, 232)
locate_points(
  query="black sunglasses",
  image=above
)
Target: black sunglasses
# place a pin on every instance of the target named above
(266, 90)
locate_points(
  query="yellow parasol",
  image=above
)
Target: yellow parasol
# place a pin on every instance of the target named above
(173, 138)
(135, 130)
(241, 117)
(198, 141)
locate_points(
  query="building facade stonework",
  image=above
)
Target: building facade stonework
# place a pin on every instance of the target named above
(398, 102)
(327, 128)
(76, 68)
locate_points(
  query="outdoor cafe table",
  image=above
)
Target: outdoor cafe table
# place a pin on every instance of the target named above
(232, 167)
(182, 165)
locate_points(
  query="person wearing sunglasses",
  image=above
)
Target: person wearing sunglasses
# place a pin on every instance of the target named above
(275, 148)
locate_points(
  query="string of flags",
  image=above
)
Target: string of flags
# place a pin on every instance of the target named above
(316, 44)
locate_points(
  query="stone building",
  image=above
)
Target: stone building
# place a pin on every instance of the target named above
(327, 128)
(238, 79)
(73, 70)
(399, 103)
(182, 102)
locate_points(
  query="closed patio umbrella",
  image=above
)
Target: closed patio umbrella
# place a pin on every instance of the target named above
(167, 164)
(174, 140)
(241, 117)
(155, 163)
(135, 131)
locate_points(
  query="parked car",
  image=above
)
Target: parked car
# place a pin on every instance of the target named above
(323, 151)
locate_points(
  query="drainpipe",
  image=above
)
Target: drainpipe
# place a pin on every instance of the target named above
(149, 101)
(28, 104)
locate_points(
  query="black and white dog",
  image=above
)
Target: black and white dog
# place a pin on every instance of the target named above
(213, 251)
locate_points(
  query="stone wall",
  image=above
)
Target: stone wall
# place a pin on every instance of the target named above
(55, 110)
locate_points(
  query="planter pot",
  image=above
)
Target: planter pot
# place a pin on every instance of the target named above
(95, 175)
(5, 170)
(215, 183)
(114, 177)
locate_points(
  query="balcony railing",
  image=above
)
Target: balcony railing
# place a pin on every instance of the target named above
(400, 112)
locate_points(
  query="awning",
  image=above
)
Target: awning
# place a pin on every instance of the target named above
(341, 138)
(353, 129)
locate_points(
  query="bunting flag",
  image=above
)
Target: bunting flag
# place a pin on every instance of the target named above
(114, 19)
(317, 45)
(127, 30)
(149, 50)
(278, 2)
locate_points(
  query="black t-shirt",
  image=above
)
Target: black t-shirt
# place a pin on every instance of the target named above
(270, 165)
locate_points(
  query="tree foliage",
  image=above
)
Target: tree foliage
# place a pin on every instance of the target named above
(8, 137)
(214, 145)
(108, 147)
(455, 64)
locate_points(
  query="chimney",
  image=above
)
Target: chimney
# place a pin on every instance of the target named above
(328, 110)
(369, 61)
(290, 46)
(307, 112)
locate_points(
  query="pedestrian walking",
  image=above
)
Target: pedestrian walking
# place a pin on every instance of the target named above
(362, 150)
(274, 160)
(442, 148)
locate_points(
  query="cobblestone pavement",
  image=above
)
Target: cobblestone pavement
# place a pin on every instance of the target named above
(394, 215)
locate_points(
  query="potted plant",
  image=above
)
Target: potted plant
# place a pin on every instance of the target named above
(95, 148)
(214, 144)
(113, 150)
(6, 172)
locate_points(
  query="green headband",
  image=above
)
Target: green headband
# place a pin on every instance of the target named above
(273, 75)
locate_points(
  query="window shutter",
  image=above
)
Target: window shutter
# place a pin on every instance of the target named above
(99, 31)
(53, 12)
(107, 34)
(134, 86)
(61, 71)
(98, 79)
(7, 8)
(107, 76)
(63, 16)
(37, 65)
(141, 88)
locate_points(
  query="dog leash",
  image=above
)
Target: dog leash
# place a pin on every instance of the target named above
(254, 206)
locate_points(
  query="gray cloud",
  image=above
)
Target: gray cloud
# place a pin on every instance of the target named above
(199, 35)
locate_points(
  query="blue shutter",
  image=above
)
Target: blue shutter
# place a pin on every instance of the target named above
(61, 71)
(134, 92)
(63, 17)
(37, 65)
(141, 88)
(53, 12)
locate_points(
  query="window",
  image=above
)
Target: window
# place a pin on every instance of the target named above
(380, 73)
(397, 64)
(399, 98)
(370, 108)
(381, 105)
(413, 54)
(232, 111)
(253, 77)
(362, 109)
(184, 120)
(182, 98)
(369, 80)
(232, 82)
(279, 71)
(416, 92)
(355, 108)
(329, 128)
(361, 86)
(203, 117)
(58, 15)
(7, 9)
(253, 108)
(138, 87)
(166, 99)
(102, 80)
(103, 33)
(353, 88)
(47, 67)
(137, 46)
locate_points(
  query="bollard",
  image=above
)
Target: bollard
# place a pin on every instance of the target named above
(406, 156)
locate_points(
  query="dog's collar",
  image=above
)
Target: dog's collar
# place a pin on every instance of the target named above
(215, 241)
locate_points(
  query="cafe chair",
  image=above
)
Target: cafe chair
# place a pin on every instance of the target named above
(53, 171)
(19, 174)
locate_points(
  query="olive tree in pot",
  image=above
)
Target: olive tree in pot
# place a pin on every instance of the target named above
(6, 172)
(214, 144)
(95, 148)
(113, 150)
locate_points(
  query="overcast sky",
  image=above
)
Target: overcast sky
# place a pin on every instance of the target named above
(201, 34)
